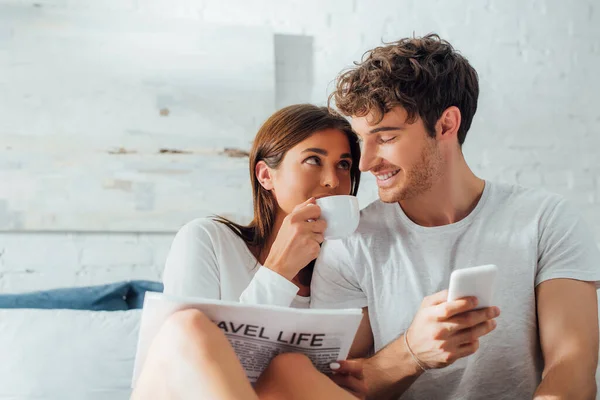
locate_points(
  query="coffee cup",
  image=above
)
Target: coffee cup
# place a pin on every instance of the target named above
(341, 213)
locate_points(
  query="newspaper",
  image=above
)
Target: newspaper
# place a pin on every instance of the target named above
(258, 333)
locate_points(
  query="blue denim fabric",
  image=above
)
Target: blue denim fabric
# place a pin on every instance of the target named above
(117, 296)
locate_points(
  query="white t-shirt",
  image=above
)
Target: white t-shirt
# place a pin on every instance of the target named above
(208, 260)
(390, 264)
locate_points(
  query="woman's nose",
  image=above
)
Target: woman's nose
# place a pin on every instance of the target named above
(330, 178)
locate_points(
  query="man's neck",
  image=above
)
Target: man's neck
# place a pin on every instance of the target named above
(451, 198)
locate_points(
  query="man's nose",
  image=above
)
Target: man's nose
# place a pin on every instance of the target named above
(368, 157)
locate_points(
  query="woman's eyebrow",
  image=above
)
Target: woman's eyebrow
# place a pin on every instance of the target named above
(324, 152)
(315, 150)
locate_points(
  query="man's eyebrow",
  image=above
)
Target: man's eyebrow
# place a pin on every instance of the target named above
(385, 129)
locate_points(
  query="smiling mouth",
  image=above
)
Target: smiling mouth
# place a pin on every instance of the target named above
(386, 176)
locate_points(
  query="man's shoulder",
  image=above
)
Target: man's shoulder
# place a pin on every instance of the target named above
(373, 216)
(525, 198)
(377, 210)
(375, 222)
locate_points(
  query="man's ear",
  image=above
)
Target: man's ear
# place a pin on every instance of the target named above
(449, 123)
(264, 175)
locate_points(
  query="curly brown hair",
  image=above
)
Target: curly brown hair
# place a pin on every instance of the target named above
(423, 75)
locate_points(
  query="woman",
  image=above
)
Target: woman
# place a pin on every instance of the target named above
(301, 153)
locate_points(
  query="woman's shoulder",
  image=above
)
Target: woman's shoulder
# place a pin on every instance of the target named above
(203, 241)
(207, 229)
(202, 227)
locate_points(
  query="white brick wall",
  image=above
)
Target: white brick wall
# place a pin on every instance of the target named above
(537, 122)
(30, 261)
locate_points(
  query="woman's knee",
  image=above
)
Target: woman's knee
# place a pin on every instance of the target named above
(188, 330)
(291, 359)
(288, 365)
(189, 321)
(286, 374)
(170, 353)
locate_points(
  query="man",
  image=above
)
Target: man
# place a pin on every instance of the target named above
(412, 103)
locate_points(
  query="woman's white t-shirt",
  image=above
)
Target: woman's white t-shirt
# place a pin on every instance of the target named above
(207, 259)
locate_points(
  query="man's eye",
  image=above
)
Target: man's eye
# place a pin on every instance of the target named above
(387, 139)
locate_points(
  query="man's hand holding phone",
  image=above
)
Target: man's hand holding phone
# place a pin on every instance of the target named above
(446, 329)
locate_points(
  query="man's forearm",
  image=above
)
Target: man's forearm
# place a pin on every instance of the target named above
(568, 379)
(391, 371)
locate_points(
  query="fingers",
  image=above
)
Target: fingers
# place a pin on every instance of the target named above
(302, 205)
(305, 212)
(436, 298)
(319, 237)
(467, 349)
(475, 317)
(446, 310)
(355, 386)
(351, 367)
(468, 327)
(318, 226)
(450, 329)
(349, 375)
(473, 334)
(309, 217)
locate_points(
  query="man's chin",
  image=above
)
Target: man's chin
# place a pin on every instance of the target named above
(392, 195)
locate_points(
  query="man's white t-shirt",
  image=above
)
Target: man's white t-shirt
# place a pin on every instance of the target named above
(390, 264)
(208, 260)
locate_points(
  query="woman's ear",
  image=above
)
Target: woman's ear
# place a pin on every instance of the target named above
(264, 175)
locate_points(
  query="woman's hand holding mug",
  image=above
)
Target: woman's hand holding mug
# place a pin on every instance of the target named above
(298, 241)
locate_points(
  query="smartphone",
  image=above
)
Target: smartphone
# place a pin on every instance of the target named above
(474, 281)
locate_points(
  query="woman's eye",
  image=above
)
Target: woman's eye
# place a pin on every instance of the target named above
(313, 160)
(345, 164)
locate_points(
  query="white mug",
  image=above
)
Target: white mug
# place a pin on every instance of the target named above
(341, 213)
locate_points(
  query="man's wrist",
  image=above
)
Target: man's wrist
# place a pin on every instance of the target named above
(416, 359)
(394, 365)
(411, 366)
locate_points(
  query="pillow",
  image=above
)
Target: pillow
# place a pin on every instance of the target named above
(110, 297)
(137, 291)
(67, 354)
